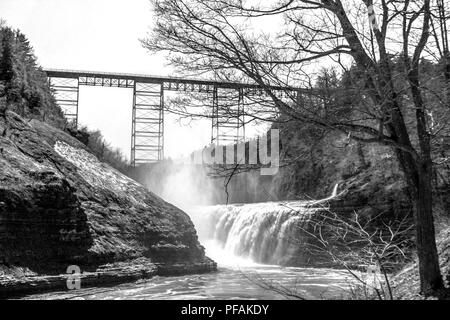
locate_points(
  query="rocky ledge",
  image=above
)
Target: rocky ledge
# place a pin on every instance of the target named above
(18, 282)
(61, 206)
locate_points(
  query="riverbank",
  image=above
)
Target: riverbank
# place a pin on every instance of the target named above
(17, 282)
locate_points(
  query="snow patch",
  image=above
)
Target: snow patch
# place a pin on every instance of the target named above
(96, 173)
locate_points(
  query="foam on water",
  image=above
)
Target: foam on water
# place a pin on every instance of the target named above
(252, 233)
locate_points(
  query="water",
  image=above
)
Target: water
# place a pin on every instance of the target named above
(227, 283)
(269, 232)
(239, 238)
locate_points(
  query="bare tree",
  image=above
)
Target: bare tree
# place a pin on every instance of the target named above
(370, 248)
(222, 39)
(356, 244)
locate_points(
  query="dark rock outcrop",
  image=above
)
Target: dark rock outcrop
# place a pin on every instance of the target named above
(60, 206)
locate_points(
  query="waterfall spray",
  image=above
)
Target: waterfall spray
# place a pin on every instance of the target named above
(261, 233)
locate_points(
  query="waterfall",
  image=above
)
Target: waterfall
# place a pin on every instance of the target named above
(267, 232)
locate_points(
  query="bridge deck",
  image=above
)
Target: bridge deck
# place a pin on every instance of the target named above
(61, 73)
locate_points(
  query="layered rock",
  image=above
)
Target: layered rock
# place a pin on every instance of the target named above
(59, 206)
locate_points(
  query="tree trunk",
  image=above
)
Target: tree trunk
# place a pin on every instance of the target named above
(429, 271)
(419, 178)
(447, 77)
(419, 172)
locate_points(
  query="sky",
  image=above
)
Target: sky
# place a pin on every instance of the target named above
(102, 35)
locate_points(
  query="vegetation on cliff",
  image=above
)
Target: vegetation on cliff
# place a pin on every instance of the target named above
(23, 85)
(24, 89)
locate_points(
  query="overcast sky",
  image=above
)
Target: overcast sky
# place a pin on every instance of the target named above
(101, 35)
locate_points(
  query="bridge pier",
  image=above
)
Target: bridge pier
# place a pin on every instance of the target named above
(228, 123)
(147, 127)
(66, 93)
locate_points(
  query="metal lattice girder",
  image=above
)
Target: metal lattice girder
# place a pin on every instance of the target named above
(66, 93)
(147, 143)
(228, 121)
(106, 81)
(190, 87)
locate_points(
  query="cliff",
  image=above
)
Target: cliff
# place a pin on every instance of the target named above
(61, 206)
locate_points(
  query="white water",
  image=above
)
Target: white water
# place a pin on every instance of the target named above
(236, 235)
(226, 284)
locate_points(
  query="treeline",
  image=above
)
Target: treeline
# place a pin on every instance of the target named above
(23, 84)
(342, 92)
(103, 150)
(24, 89)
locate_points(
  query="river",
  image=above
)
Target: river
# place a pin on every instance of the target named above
(249, 242)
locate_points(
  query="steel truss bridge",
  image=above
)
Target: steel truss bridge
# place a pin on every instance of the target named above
(147, 133)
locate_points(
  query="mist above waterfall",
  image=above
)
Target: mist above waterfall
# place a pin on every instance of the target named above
(186, 185)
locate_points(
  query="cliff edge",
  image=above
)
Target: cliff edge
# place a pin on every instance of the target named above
(61, 206)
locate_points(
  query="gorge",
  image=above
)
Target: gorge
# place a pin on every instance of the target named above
(173, 231)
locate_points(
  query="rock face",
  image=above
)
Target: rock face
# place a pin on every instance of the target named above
(60, 206)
